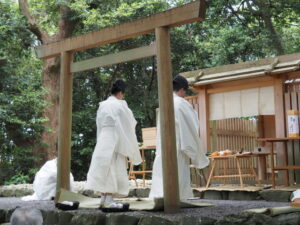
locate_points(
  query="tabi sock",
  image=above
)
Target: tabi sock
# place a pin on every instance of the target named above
(109, 198)
(111, 204)
(103, 198)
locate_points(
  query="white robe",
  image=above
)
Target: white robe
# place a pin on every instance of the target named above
(189, 147)
(116, 140)
(44, 184)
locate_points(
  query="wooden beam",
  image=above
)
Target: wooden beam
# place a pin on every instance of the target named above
(241, 87)
(194, 11)
(167, 121)
(230, 78)
(65, 124)
(107, 60)
(237, 85)
(293, 75)
(280, 129)
(203, 103)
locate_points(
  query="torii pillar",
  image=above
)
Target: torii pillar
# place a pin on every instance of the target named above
(167, 120)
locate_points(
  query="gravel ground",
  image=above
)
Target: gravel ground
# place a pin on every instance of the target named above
(221, 208)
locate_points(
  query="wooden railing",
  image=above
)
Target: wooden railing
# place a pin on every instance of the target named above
(233, 134)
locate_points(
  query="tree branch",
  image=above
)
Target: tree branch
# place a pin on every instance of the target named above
(236, 15)
(254, 12)
(32, 24)
(267, 18)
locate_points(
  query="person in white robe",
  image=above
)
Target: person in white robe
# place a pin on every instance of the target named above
(189, 145)
(44, 184)
(116, 141)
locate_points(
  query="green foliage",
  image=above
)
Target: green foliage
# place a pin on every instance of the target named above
(18, 179)
(21, 96)
(17, 161)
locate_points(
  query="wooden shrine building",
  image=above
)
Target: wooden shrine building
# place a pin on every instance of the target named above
(264, 89)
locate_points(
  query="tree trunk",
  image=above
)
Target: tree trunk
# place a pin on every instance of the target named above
(267, 18)
(51, 71)
(48, 148)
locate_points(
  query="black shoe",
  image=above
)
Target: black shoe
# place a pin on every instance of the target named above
(66, 205)
(124, 208)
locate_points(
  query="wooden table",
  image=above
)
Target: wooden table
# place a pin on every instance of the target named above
(143, 172)
(262, 165)
(285, 167)
(239, 174)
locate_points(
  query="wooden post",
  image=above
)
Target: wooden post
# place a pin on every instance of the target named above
(262, 158)
(167, 121)
(280, 124)
(262, 167)
(65, 124)
(204, 131)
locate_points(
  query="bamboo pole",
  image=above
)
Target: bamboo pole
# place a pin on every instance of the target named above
(65, 124)
(167, 121)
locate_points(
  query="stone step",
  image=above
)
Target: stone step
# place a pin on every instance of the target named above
(99, 218)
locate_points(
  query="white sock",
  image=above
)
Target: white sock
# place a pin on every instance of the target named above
(112, 204)
(115, 205)
(102, 199)
(109, 199)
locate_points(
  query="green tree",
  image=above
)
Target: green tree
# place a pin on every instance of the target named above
(21, 121)
(233, 31)
(49, 21)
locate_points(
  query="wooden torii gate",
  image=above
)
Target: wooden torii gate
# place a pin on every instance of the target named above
(158, 23)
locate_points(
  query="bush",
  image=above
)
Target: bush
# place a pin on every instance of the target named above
(18, 179)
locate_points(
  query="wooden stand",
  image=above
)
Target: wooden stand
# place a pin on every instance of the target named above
(143, 172)
(296, 203)
(149, 143)
(285, 167)
(195, 176)
(239, 173)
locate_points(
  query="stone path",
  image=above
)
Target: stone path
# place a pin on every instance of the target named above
(224, 212)
(221, 208)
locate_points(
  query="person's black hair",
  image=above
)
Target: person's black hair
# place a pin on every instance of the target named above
(119, 85)
(180, 82)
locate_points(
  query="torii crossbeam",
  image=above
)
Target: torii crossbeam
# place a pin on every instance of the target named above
(158, 23)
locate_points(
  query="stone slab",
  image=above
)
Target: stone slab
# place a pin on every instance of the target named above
(276, 195)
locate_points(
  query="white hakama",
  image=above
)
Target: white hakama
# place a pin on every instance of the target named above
(116, 141)
(189, 148)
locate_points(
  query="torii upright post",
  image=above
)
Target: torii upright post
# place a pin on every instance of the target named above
(65, 123)
(167, 124)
